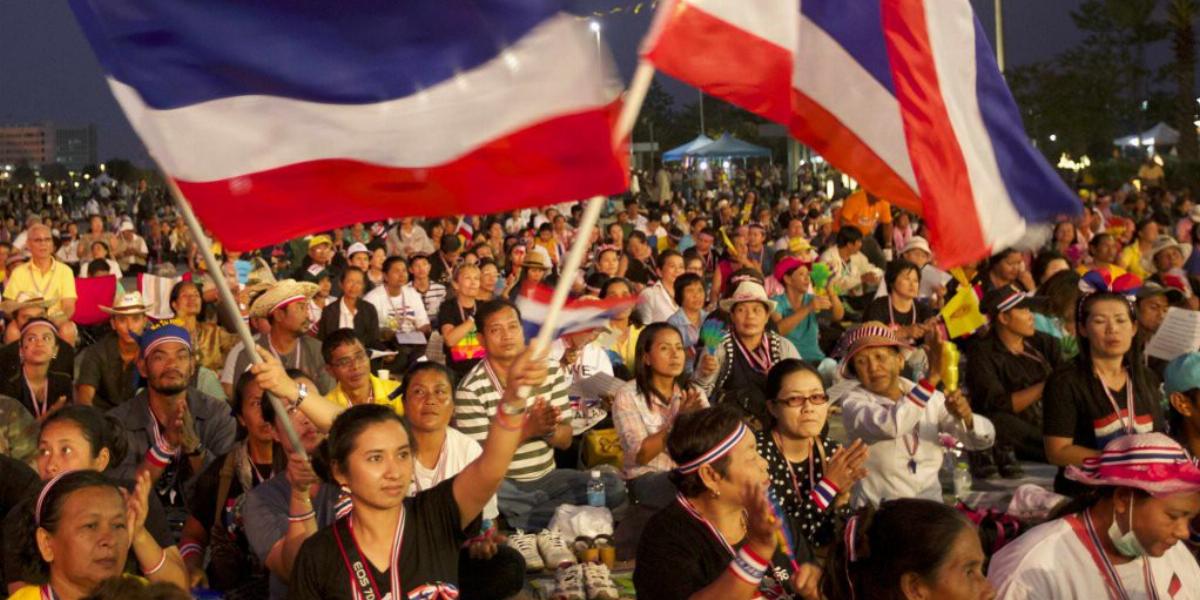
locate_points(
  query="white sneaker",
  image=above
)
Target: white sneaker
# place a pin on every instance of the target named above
(569, 583)
(554, 550)
(527, 545)
(599, 582)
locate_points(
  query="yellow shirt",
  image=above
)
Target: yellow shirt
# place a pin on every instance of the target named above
(1131, 259)
(54, 285)
(380, 389)
(34, 592)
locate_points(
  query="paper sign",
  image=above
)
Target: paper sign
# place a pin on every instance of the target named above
(1178, 334)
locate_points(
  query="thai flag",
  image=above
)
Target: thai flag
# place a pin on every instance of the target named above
(902, 95)
(577, 315)
(278, 118)
(465, 231)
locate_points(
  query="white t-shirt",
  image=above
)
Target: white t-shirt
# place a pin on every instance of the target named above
(1050, 561)
(391, 309)
(656, 304)
(457, 452)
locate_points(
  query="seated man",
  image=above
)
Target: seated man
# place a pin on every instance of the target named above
(403, 324)
(349, 362)
(108, 374)
(1006, 372)
(173, 430)
(19, 311)
(533, 488)
(45, 277)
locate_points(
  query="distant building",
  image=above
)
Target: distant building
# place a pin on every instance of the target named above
(42, 143)
(75, 147)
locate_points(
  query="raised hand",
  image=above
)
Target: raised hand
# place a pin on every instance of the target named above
(762, 528)
(137, 504)
(845, 468)
(959, 406)
(541, 421)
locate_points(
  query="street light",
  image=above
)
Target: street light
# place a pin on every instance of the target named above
(1053, 137)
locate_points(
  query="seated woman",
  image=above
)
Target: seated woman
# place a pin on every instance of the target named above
(78, 438)
(39, 389)
(811, 475)
(390, 543)
(1107, 391)
(1143, 493)
(619, 338)
(719, 540)
(645, 409)
(689, 294)
(79, 533)
(900, 419)
(909, 549)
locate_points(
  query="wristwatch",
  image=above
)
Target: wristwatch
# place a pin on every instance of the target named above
(301, 394)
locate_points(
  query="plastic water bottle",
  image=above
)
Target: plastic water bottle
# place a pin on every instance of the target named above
(962, 481)
(595, 490)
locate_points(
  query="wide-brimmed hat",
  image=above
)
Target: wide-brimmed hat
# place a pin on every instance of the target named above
(128, 304)
(281, 294)
(872, 334)
(537, 257)
(1166, 242)
(917, 242)
(748, 291)
(1151, 462)
(23, 300)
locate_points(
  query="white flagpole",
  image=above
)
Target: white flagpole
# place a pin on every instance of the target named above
(591, 213)
(230, 305)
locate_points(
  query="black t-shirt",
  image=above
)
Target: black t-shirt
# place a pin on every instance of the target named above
(17, 482)
(433, 533)
(994, 373)
(1076, 407)
(156, 526)
(468, 351)
(639, 272)
(678, 556)
(877, 310)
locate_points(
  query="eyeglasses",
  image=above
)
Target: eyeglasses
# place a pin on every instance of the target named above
(797, 401)
(347, 361)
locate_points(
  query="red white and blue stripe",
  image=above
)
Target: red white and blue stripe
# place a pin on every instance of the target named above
(300, 115)
(904, 96)
(576, 315)
(716, 453)
(824, 493)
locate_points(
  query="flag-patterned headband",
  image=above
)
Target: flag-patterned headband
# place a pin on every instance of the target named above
(1012, 300)
(716, 453)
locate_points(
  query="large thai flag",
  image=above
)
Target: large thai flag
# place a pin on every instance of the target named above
(282, 117)
(577, 315)
(902, 95)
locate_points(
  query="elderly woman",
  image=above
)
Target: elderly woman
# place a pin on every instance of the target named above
(900, 419)
(1119, 540)
(645, 409)
(719, 539)
(811, 475)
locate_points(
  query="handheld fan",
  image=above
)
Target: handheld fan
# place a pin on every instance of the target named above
(711, 335)
(820, 276)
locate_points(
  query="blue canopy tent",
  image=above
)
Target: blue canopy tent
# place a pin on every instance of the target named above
(681, 152)
(730, 147)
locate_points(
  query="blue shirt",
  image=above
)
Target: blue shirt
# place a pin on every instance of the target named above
(806, 336)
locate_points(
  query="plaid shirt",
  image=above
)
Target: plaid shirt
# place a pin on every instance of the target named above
(636, 419)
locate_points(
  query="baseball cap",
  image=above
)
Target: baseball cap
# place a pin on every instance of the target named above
(1182, 374)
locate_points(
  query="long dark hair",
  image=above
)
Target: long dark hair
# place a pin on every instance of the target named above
(1133, 361)
(641, 371)
(343, 435)
(100, 430)
(908, 535)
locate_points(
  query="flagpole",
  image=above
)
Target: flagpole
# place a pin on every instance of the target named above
(231, 306)
(591, 213)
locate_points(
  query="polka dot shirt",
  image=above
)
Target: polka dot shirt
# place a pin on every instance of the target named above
(816, 524)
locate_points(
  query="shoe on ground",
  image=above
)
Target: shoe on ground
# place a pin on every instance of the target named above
(1007, 463)
(555, 552)
(526, 545)
(599, 583)
(983, 466)
(568, 583)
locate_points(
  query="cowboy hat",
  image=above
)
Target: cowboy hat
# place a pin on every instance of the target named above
(536, 258)
(23, 300)
(281, 294)
(128, 304)
(1151, 462)
(748, 291)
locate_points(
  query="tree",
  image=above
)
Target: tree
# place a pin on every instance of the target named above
(55, 172)
(24, 174)
(1181, 16)
(122, 171)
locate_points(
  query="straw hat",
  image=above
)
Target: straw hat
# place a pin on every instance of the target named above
(1166, 242)
(537, 257)
(281, 294)
(1151, 462)
(748, 291)
(128, 304)
(872, 334)
(23, 300)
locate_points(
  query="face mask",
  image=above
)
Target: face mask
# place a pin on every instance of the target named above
(1125, 543)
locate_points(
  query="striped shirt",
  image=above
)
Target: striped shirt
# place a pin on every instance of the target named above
(476, 400)
(433, 298)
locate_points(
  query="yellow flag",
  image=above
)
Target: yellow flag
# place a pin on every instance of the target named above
(961, 313)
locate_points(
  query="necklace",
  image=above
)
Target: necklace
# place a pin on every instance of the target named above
(1129, 412)
(812, 483)
(912, 449)
(1085, 530)
(39, 408)
(760, 358)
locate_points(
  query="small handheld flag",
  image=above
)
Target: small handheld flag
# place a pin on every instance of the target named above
(577, 315)
(820, 276)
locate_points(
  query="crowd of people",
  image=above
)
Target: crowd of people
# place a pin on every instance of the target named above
(784, 393)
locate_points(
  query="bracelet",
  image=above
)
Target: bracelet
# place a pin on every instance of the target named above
(162, 560)
(501, 419)
(300, 518)
(748, 567)
(190, 548)
(158, 457)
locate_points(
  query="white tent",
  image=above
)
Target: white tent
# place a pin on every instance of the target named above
(1159, 135)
